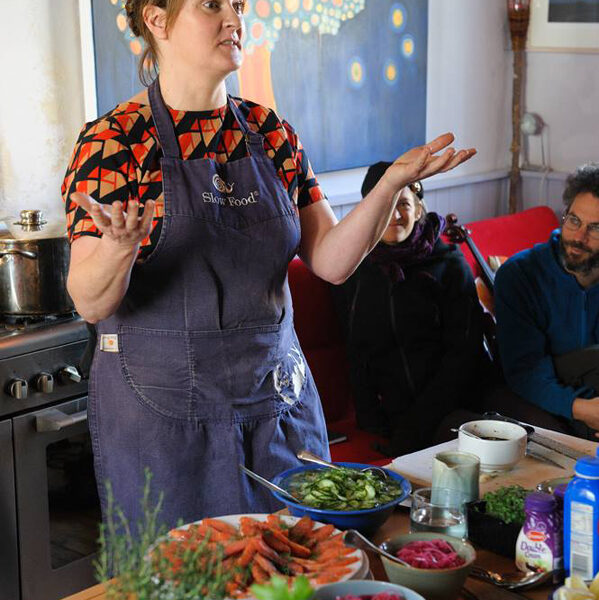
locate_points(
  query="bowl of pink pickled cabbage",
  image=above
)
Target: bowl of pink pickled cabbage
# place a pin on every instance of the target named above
(439, 563)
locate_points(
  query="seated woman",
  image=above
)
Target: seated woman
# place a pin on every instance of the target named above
(413, 327)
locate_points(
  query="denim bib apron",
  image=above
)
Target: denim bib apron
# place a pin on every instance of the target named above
(204, 370)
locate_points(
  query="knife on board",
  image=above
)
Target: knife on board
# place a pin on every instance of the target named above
(543, 458)
(538, 438)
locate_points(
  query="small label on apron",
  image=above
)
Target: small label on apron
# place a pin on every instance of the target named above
(109, 342)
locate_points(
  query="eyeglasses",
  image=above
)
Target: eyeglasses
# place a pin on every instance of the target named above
(573, 223)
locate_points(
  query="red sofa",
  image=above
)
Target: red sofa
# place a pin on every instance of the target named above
(320, 334)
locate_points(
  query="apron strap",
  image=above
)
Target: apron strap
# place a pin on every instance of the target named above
(254, 140)
(163, 121)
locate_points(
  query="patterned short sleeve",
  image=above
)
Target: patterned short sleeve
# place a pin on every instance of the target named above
(308, 189)
(284, 147)
(102, 165)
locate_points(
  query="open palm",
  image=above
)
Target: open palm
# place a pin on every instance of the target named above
(424, 161)
(125, 228)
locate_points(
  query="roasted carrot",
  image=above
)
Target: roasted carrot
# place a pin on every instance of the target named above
(275, 522)
(265, 550)
(322, 533)
(249, 526)
(221, 526)
(247, 554)
(302, 528)
(259, 574)
(340, 562)
(275, 543)
(310, 565)
(331, 576)
(296, 568)
(265, 564)
(203, 530)
(296, 549)
(236, 546)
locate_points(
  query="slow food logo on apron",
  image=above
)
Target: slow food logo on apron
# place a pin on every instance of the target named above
(229, 200)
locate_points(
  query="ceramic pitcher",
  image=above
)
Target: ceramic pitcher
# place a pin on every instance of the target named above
(457, 471)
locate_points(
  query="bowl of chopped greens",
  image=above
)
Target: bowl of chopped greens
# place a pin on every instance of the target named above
(495, 521)
(348, 498)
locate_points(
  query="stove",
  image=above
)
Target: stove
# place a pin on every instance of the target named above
(39, 361)
(49, 510)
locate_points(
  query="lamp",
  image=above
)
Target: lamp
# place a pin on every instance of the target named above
(532, 125)
(518, 16)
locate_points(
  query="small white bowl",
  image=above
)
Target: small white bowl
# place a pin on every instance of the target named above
(495, 454)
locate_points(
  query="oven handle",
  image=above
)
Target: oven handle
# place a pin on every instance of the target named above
(55, 420)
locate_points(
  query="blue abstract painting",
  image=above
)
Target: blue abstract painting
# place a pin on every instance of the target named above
(350, 76)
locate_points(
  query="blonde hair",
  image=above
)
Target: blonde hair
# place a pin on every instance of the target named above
(148, 61)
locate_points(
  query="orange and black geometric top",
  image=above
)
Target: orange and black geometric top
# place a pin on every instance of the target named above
(117, 157)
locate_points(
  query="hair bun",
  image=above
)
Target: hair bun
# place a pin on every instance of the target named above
(131, 10)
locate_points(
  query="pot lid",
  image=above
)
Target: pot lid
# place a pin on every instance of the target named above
(31, 225)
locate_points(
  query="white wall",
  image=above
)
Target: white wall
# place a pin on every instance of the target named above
(468, 84)
(41, 109)
(563, 88)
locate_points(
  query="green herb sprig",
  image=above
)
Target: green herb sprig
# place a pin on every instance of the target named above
(507, 503)
(278, 589)
(136, 567)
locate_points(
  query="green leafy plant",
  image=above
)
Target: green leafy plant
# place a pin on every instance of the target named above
(278, 589)
(135, 566)
(507, 503)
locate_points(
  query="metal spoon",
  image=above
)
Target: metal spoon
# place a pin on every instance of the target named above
(354, 539)
(313, 458)
(466, 432)
(269, 484)
(511, 581)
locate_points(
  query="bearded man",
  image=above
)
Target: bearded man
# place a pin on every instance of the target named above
(547, 307)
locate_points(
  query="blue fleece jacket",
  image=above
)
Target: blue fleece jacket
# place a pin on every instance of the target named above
(542, 312)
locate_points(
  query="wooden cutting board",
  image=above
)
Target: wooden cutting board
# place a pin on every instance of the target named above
(418, 466)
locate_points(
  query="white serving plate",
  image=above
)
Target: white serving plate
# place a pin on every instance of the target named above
(359, 569)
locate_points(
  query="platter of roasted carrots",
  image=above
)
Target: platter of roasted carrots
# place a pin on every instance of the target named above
(255, 547)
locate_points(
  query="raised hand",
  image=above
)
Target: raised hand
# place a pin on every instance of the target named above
(123, 228)
(423, 161)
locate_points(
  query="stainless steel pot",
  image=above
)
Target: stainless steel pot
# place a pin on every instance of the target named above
(34, 261)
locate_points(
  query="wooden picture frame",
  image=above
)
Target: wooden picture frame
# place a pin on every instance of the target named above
(548, 33)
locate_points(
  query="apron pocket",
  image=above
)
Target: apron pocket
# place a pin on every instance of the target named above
(156, 365)
(233, 366)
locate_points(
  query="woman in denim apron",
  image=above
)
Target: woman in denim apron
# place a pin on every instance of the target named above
(198, 367)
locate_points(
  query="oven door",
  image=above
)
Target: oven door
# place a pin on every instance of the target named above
(9, 565)
(57, 503)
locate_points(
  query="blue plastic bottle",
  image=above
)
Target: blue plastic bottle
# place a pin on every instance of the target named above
(581, 520)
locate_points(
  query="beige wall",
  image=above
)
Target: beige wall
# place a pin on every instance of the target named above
(41, 108)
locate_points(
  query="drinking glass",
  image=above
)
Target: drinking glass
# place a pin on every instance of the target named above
(439, 510)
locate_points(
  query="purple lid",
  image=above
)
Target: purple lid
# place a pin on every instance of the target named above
(560, 491)
(540, 502)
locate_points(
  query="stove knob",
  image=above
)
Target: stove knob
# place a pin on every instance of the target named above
(17, 388)
(69, 375)
(44, 383)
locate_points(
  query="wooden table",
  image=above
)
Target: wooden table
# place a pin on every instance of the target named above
(417, 467)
